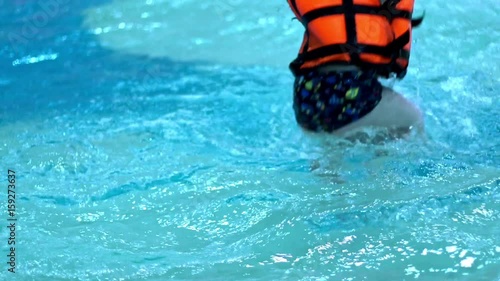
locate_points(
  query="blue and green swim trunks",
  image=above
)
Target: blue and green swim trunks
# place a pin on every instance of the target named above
(328, 101)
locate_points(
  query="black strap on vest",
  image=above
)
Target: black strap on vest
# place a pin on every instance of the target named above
(350, 24)
(385, 10)
(393, 50)
(355, 48)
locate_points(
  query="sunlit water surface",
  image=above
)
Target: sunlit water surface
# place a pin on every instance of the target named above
(155, 140)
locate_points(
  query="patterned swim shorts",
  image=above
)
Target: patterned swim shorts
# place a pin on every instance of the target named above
(328, 101)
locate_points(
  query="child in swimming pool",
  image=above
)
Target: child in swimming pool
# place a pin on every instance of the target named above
(348, 45)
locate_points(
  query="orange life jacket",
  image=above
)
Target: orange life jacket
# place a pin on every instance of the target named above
(364, 33)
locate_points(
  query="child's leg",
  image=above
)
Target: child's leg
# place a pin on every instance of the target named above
(393, 112)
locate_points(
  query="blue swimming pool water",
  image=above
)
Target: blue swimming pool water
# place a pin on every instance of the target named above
(147, 147)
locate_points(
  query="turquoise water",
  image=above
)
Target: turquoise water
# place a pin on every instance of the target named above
(155, 140)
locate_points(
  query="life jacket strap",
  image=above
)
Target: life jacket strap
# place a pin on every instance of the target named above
(388, 12)
(393, 51)
(335, 49)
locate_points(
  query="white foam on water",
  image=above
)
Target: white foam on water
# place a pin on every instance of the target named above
(467, 262)
(35, 59)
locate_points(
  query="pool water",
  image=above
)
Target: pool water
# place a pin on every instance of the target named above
(155, 140)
